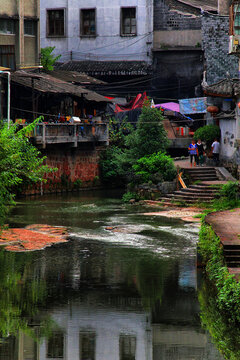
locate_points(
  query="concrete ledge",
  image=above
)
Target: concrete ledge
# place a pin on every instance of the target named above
(225, 174)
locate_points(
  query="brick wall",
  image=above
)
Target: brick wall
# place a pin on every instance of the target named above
(76, 169)
(215, 35)
(166, 19)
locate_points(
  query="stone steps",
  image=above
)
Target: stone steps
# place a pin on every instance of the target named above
(232, 255)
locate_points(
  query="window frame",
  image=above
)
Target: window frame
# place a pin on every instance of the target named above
(13, 26)
(82, 35)
(33, 27)
(53, 335)
(47, 23)
(122, 18)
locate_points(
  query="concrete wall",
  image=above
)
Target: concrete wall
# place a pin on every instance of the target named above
(30, 56)
(177, 73)
(176, 38)
(215, 34)
(26, 49)
(108, 44)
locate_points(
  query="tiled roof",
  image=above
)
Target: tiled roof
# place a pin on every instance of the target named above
(224, 88)
(76, 77)
(107, 67)
(46, 83)
(206, 5)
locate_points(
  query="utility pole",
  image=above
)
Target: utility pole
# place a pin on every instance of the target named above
(9, 95)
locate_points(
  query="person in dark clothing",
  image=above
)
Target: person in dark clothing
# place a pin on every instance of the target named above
(200, 158)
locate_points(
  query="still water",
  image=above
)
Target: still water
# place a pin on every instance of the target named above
(127, 294)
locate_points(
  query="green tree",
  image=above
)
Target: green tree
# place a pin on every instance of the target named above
(207, 134)
(47, 58)
(150, 136)
(20, 163)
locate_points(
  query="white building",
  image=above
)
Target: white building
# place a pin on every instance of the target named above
(121, 30)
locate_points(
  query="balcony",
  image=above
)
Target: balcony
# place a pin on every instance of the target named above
(74, 134)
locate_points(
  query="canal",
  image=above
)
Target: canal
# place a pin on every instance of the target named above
(123, 288)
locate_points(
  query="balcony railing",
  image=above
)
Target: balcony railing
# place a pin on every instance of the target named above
(46, 134)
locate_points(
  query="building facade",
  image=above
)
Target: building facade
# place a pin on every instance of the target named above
(19, 33)
(98, 30)
(177, 49)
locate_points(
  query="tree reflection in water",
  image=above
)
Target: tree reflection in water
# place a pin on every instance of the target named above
(225, 332)
(21, 293)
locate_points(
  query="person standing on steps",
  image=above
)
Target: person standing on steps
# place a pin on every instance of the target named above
(215, 151)
(193, 152)
(200, 158)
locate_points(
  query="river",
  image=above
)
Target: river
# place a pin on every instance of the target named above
(123, 288)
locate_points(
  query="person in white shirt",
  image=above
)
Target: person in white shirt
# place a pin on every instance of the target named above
(216, 151)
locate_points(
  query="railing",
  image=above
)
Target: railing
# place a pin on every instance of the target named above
(46, 134)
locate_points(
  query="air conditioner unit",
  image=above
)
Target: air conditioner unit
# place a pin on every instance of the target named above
(234, 44)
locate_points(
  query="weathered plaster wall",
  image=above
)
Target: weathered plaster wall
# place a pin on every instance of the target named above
(26, 47)
(215, 34)
(108, 45)
(8, 7)
(228, 137)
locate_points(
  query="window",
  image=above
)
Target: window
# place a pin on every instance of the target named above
(88, 22)
(127, 347)
(55, 346)
(7, 26)
(237, 19)
(128, 21)
(55, 22)
(29, 27)
(87, 345)
(7, 56)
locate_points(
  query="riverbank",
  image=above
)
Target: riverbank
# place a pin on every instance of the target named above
(32, 238)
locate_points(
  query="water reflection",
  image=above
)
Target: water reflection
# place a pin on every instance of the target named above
(95, 300)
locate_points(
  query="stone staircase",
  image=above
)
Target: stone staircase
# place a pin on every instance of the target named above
(203, 174)
(232, 255)
(196, 193)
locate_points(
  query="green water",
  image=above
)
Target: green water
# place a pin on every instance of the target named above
(127, 294)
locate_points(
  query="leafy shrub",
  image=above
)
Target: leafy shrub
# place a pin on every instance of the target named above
(207, 134)
(156, 168)
(129, 196)
(230, 190)
(47, 58)
(21, 164)
(114, 166)
(77, 184)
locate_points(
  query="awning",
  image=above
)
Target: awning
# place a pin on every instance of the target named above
(171, 106)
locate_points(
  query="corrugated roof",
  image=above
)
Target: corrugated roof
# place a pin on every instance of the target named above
(107, 67)
(46, 83)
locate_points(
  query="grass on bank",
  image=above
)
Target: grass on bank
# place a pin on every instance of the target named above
(224, 286)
